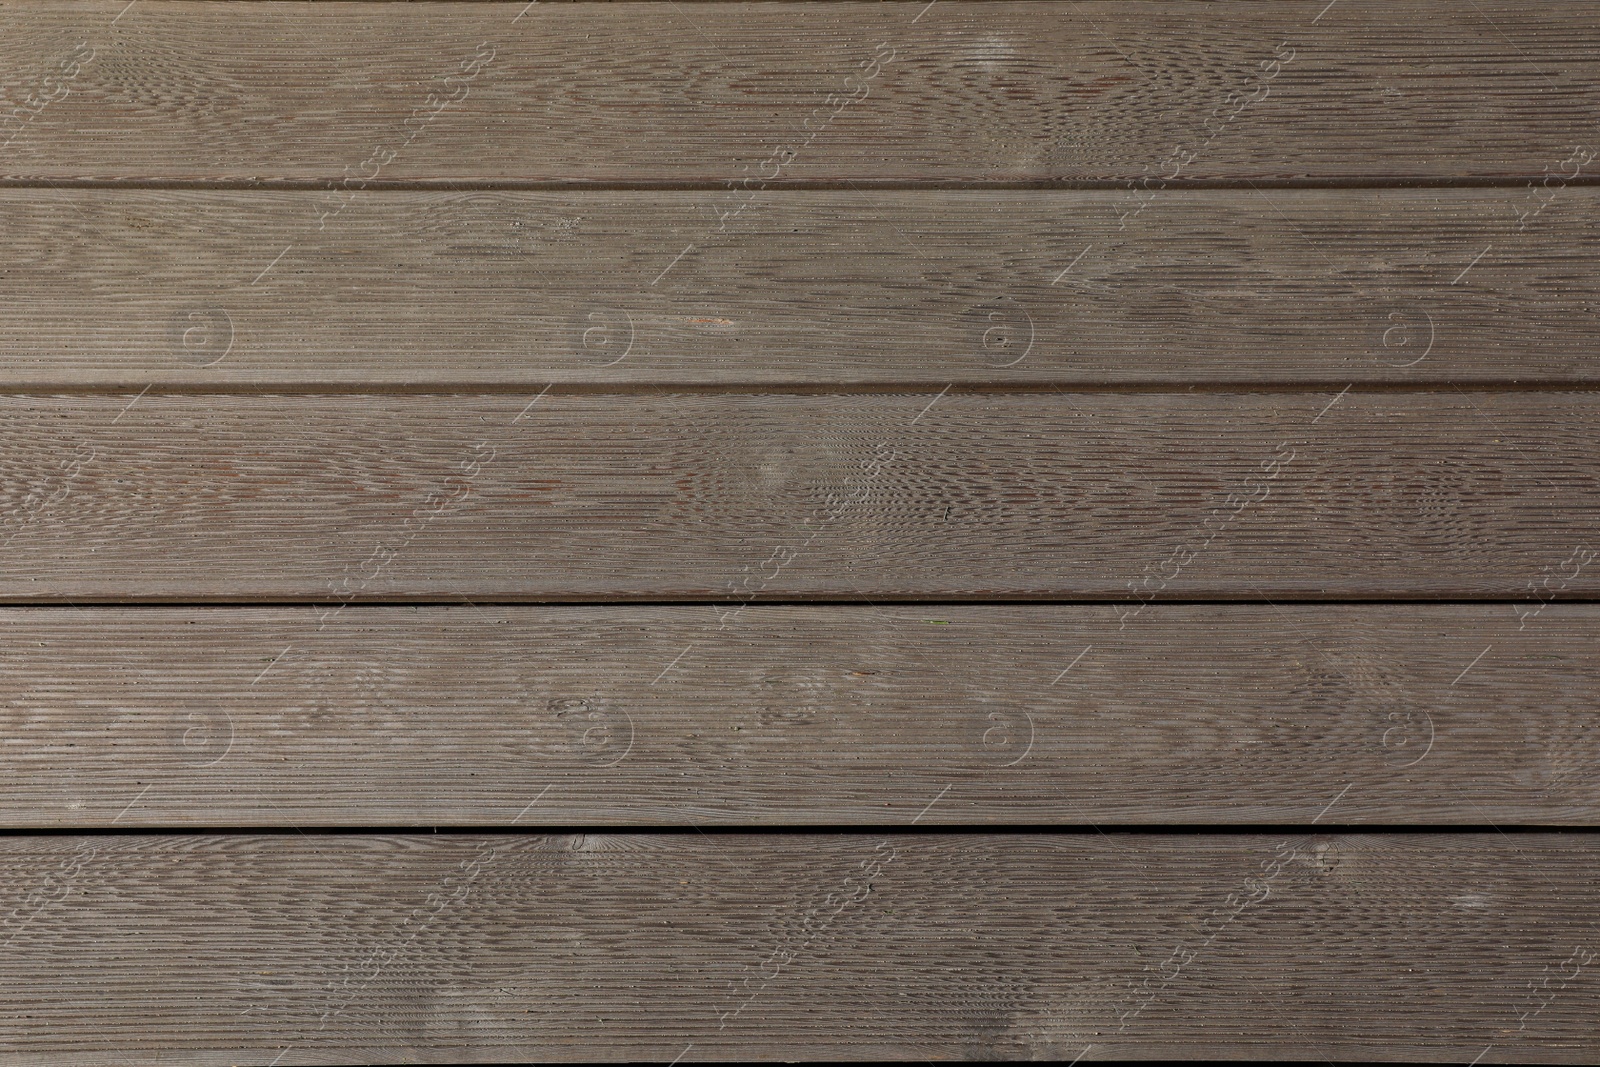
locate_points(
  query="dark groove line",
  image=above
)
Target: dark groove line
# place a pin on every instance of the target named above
(902, 600)
(921, 829)
(929, 601)
(468, 389)
(797, 185)
(663, 3)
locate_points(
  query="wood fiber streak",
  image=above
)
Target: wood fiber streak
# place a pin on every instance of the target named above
(605, 947)
(622, 715)
(779, 92)
(736, 496)
(122, 289)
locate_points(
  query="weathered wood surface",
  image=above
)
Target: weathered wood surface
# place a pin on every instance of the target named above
(826, 715)
(228, 289)
(734, 496)
(596, 946)
(779, 92)
(471, 305)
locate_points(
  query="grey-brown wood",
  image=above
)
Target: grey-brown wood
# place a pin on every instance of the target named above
(747, 94)
(334, 337)
(820, 715)
(734, 496)
(337, 949)
(116, 288)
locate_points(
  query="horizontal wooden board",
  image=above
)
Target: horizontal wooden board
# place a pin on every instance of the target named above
(822, 715)
(761, 93)
(120, 288)
(334, 949)
(734, 496)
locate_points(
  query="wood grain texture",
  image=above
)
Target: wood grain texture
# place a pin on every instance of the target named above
(826, 715)
(780, 92)
(340, 343)
(122, 289)
(596, 946)
(733, 496)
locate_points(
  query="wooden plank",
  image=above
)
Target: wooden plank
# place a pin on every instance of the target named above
(602, 947)
(733, 495)
(779, 92)
(122, 289)
(619, 715)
